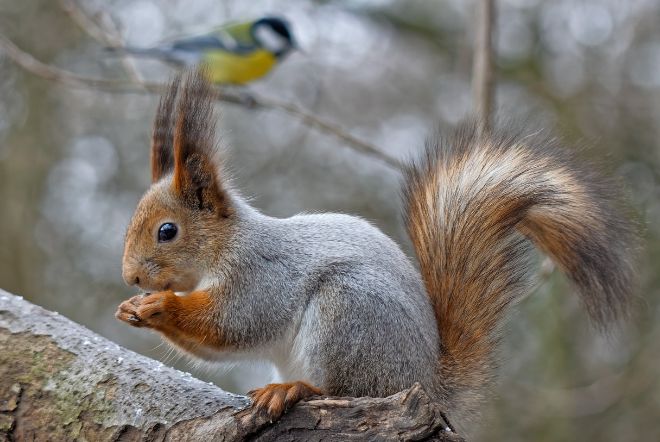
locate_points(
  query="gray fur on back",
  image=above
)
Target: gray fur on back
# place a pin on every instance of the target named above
(331, 300)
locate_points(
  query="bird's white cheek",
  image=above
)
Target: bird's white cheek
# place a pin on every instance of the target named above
(270, 39)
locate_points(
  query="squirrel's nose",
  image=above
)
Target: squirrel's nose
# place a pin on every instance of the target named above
(131, 277)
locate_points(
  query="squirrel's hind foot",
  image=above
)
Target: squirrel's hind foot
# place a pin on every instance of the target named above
(277, 398)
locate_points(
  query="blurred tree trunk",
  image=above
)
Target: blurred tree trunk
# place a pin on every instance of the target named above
(60, 381)
(483, 78)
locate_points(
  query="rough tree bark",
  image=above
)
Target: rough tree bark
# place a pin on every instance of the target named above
(61, 381)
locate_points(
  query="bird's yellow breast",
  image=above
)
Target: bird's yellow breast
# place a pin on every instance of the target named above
(225, 67)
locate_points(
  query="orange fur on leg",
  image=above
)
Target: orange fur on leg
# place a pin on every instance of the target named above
(183, 320)
(276, 398)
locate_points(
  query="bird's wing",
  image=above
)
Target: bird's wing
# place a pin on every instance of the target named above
(235, 38)
(241, 34)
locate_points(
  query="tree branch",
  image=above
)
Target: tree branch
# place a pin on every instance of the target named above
(483, 80)
(67, 78)
(60, 381)
(109, 34)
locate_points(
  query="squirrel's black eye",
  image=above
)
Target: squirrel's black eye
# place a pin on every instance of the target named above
(166, 232)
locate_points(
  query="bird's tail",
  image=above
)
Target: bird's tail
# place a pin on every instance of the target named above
(157, 53)
(474, 208)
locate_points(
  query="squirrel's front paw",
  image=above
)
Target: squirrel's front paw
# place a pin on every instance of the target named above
(145, 310)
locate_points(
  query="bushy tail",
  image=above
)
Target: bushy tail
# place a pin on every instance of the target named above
(472, 206)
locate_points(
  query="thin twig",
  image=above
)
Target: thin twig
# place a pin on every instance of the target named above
(106, 32)
(52, 73)
(483, 81)
(322, 125)
(58, 75)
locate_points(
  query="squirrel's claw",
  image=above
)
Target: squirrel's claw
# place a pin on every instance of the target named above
(277, 398)
(127, 312)
(143, 310)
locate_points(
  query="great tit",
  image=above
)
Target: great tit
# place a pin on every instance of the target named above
(236, 53)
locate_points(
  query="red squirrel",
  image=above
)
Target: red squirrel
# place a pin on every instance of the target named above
(331, 300)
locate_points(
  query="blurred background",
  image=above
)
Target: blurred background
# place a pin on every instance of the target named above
(74, 162)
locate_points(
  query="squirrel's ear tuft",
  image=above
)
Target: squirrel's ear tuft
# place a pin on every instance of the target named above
(162, 138)
(196, 169)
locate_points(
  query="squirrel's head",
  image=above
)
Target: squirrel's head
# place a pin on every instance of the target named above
(186, 217)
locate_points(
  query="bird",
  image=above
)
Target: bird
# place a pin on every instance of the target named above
(235, 53)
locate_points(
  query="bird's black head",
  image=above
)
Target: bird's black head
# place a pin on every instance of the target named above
(274, 34)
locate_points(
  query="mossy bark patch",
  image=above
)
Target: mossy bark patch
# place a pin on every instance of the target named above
(38, 399)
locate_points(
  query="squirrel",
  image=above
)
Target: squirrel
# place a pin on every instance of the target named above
(333, 302)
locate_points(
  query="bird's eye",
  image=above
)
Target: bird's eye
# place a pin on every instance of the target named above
(166, 232)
